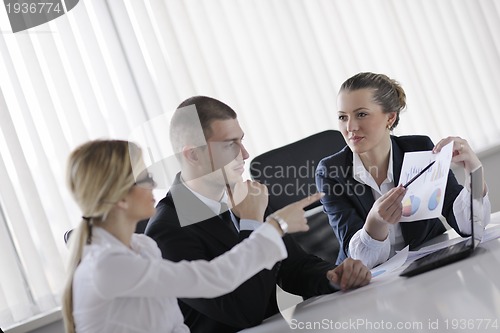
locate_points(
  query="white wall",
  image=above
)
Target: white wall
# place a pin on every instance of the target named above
(56, 327)
(491, 164)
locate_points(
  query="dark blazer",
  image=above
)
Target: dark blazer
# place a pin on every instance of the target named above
(347, 202)
(180, 238)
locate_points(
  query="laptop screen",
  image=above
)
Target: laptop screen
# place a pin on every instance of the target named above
(476, 206)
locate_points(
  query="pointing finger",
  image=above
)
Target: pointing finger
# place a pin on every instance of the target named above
(310, 199)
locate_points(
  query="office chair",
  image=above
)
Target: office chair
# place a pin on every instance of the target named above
(289, 173)
(141, 226)
(66, 235)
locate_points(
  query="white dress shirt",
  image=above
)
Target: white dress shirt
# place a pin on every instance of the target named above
(373, 252)
(117, 289)
(215, 207)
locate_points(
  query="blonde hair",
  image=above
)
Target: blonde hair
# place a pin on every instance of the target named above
(99, 174)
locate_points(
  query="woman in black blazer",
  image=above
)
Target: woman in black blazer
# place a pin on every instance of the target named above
(362, 202)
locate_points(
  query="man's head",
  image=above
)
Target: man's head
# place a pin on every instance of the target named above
(207, 137)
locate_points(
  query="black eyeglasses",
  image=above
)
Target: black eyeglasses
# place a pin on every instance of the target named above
(146, 181)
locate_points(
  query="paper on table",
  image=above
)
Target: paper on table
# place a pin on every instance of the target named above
(414, 255)
(424, 197)
(490, 233)
(395, 262)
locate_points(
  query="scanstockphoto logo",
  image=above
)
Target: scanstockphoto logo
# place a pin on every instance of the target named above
(26, 14)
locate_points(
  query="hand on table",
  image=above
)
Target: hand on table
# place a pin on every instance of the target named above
(350, 274)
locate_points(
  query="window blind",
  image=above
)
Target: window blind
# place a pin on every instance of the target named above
(112, 69)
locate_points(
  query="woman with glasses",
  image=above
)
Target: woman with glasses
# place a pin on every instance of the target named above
(117, 280)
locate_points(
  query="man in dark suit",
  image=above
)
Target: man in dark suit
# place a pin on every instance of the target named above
(191, 223)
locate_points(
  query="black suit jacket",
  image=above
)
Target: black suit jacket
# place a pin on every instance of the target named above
(179, 237)
(347, 202)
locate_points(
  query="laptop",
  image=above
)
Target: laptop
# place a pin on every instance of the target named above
(460, 250)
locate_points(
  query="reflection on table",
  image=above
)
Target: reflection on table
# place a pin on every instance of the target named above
(460, 297)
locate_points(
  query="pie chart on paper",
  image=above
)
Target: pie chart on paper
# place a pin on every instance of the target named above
(410, 205)
(434, 199)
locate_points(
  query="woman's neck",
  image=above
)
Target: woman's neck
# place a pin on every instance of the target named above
(120, 228)
(376, 161)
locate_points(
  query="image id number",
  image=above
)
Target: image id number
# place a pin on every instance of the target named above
(470, 324)
(33, 7)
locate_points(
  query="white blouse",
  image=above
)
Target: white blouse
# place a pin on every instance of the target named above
(117, 289)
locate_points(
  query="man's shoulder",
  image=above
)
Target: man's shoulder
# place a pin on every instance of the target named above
(165, 216)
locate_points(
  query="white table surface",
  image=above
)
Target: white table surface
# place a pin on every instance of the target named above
(460, 297)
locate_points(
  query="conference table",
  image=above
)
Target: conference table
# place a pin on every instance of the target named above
(461, 297)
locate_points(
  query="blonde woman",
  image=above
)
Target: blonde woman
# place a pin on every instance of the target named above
(117, 280)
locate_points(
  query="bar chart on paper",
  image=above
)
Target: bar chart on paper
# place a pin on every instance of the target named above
(439, 170)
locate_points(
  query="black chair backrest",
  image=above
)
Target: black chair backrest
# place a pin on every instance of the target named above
(141, 226)
(289, 171)
(66, 235)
